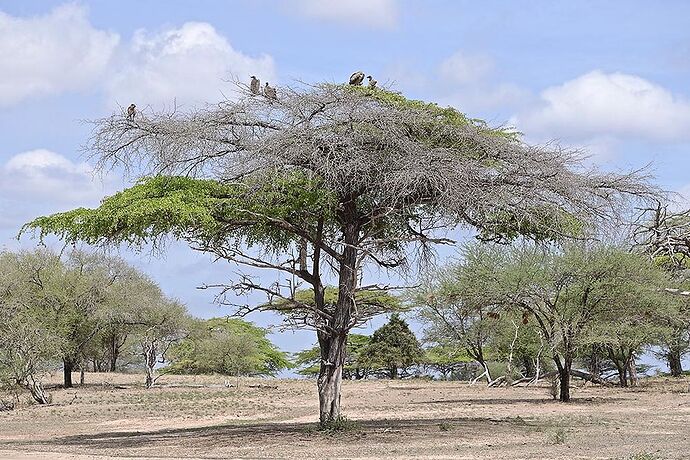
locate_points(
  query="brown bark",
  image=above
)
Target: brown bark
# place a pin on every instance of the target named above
(675, 364)
(68, 367)
(333, 348)
(564, 370)
(333, 344)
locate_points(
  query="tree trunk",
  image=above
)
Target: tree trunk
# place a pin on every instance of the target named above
(333, 343)
(632, 371)
(594, 362)
(529, 366)
(114, 353)
(622, 374)
(564, 376)
(36, 390)
(675, 364)
(149, 352)
(81, 375)
(68, 367)
(330, 379)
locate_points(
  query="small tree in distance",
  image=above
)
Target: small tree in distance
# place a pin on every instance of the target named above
(393, 348)
(331, 175)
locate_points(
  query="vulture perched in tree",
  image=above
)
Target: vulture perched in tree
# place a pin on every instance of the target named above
(357, 78)
(131, 111)
(255, 85)
(270, 92)
(372, 82)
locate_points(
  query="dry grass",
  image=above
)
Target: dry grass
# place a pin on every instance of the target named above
(198, 417)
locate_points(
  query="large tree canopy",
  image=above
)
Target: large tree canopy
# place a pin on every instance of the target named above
(332, 175)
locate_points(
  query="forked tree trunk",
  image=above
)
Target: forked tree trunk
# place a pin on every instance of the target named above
(333, 344)
(149, 353)
(675, 364)
(564, 369)
(68, 367)
(36, 390)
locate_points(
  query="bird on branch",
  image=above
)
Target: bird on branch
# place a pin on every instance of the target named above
(357, 78)
(372, 82)
(270, 92)
(255, 85)
(131, 111)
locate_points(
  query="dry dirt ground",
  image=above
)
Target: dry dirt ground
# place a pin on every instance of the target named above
(198, 417)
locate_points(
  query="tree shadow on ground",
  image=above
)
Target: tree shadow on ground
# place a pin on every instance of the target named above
(509, 401)
(230, 435)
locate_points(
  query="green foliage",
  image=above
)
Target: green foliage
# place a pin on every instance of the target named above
(393, 347)
(445, 359)
(228, 347)
(196, 210)
(447, 115)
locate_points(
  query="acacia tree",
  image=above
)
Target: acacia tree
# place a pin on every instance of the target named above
(226, 346)
(665, 236)
(454, 305)
(331, 175)
(161, 323)
(572, 293)
(28, 346)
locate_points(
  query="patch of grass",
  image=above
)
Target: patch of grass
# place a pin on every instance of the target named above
(559, 436)
(445, 426)
(643, 456)
(340, 424)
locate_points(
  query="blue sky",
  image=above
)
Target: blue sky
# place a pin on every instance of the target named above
(610, 77)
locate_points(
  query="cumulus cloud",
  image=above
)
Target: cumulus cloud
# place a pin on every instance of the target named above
(187, 64)
(615, 104)
(372, 13)
(468, 81)
(49, 176)
(48, 54)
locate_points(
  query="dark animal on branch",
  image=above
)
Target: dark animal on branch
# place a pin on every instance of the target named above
(357, 78)
(255, 86)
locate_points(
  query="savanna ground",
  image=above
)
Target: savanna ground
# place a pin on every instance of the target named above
(199, 417)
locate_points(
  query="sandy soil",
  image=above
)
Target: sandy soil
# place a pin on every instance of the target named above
(198, 417)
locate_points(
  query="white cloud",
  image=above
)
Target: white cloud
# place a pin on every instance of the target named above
(372, 13)
(468, 82)
(49, 176)
(187, 65)
(49, 54)
(600, 104)
(464, 68)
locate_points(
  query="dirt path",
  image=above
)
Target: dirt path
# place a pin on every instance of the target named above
(197, 417)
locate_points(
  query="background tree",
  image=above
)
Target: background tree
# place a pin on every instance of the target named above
(28, 348)
(570, 291)
(456, 310)
(337, 175)
(227, 347)
(393, 349)
(665, 237)
(162, 323)
(447, 360)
